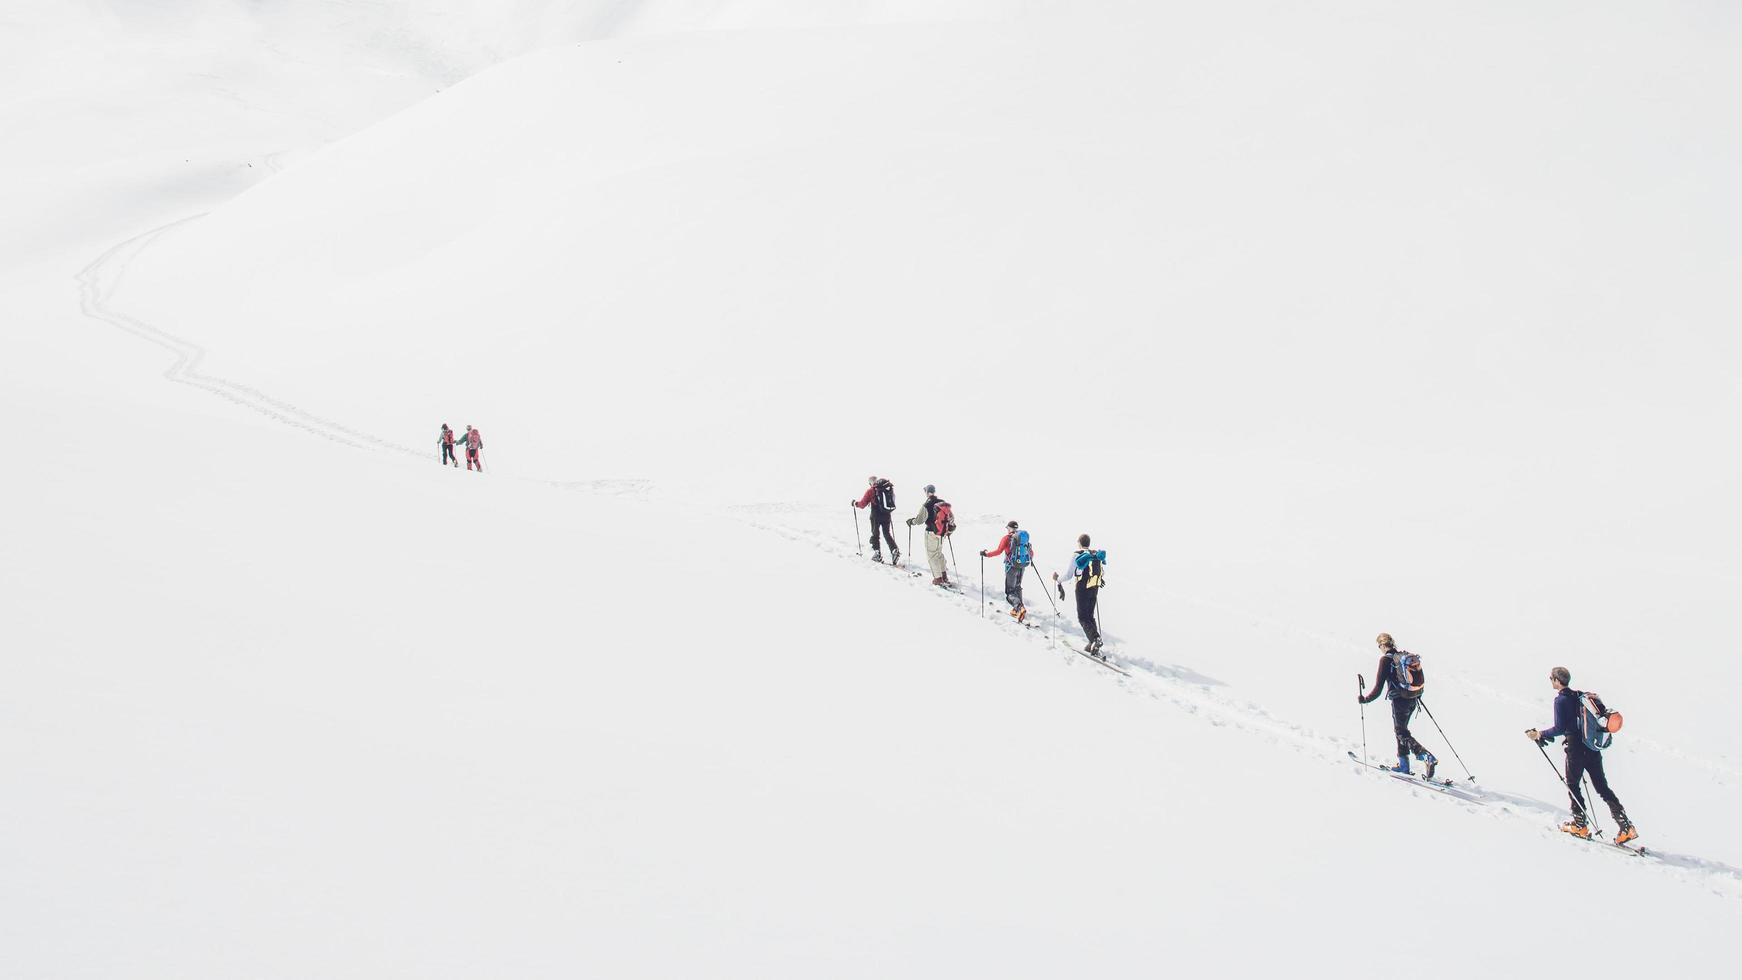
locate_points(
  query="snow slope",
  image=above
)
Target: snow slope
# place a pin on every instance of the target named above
(1318, 330)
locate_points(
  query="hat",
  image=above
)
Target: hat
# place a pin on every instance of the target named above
(1011, 525)
(930, 489)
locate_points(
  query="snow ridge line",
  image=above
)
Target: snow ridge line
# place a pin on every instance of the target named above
(97, 282)
(1177, 686)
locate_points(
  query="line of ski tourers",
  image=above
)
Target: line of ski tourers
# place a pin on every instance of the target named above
(1581, 719)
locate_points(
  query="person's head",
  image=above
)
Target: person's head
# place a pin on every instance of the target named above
(444, 427)
(930, 490)
(1385, 642)
(1082, 540)
(468, 428)
(1011, 526)
(1559, 677)
(872, 479)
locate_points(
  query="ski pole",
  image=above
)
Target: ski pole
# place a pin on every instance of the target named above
(982, 585)
(856, 542)
(1577, 808)
(953, 566)
(1046, 591)
(1361, 692)
(1590, 811)
(1449, 745)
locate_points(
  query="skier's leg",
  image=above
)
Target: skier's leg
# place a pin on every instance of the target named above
(1575, 776)
(1013, 585)
(1401, 708)
(1086, 613)
(934, 554)
(1600, 782)
(889, 536)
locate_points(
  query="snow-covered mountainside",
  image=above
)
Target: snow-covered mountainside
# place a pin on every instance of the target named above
(1323, 320)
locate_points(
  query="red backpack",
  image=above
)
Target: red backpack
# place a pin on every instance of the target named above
(945, 518)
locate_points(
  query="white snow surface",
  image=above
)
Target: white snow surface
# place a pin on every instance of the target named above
(1323, 319)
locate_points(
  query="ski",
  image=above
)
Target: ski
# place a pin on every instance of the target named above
(1632, 849)
(1445, 787)
(1099, 660)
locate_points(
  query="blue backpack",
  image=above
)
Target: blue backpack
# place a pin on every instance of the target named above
(1020, 552)
(1597, 724)
(1406, 671)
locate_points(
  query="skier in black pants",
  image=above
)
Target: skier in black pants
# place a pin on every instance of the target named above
(880, 497)
(1014, 545)
(1086, 568)
(1400, 674)
(1581, 759)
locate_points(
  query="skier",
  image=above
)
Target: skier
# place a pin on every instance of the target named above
(939, 520)
(446, 442)
(1017, 555)
(1086, 568)
(880, 497)
(1581, 758)
(474, 441)
(1401, 675)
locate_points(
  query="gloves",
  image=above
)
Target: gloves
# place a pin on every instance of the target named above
(1061, 589)
(910, 522)
(982, 552)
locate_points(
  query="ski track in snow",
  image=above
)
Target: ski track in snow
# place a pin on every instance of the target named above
(97, 283)
(1174, 684)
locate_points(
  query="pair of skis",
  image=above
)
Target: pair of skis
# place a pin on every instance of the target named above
(1450, 788)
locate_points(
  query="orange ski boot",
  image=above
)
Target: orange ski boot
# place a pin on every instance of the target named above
(1576, 828)
(1628, 832)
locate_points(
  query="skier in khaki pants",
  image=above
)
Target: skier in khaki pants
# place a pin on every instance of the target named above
(939, 520)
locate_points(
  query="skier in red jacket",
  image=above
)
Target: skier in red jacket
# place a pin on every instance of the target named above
(474, 441)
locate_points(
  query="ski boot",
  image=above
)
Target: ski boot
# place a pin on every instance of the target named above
(877, 556)
(1427, 757)
(894, 556)
(1019, 614)
(1577, 828)
(1627, 832)
(1402, 765)
(1094, 648)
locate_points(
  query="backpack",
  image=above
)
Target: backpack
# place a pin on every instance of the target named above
(944, 519)
(1094, 575)
(885, 497)
(1406, 671)
(1597, 724)
(1020, 552)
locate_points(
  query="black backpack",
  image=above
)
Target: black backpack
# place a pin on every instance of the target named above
(885, 497)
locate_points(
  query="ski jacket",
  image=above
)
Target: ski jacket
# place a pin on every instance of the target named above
(1007, 547)
(1079, 568)
(1387, 679)
(447, 437)
(874, 498)
(928, 515)
(1566, 718)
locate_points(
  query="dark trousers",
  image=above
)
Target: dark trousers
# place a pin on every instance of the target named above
(448, 455)
(1582, 760)
(1401, 711)
(1013, 584)
(1086, 612)
(880, 522)
(473, 460)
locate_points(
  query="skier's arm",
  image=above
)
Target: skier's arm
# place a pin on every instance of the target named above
(1003, 543)
(918, 518)
(1564, 719)
(865, 501)
(1378, 681)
